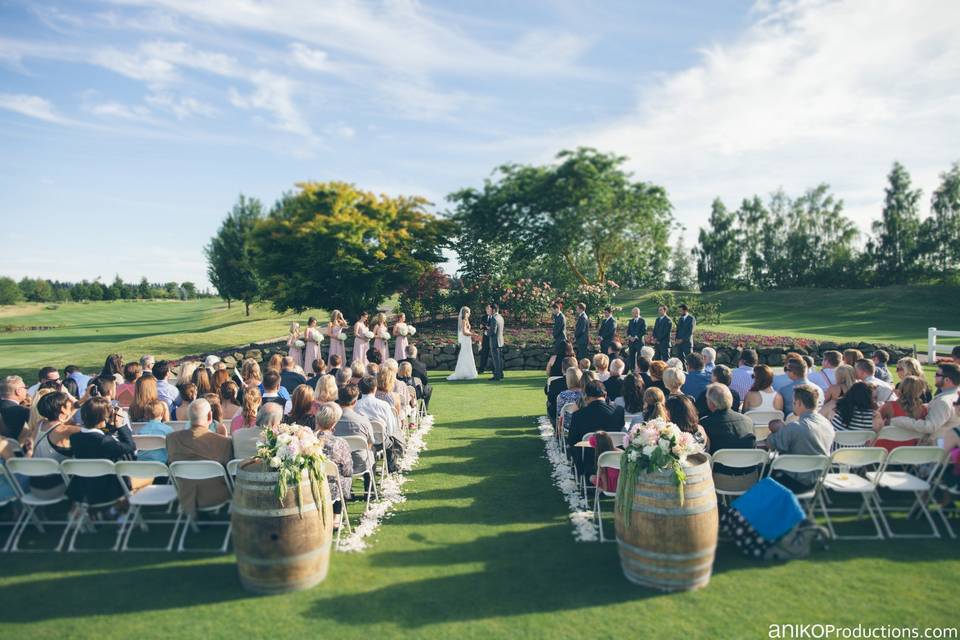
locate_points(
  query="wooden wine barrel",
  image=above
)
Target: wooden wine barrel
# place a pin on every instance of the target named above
(277, 549)
(666, 545)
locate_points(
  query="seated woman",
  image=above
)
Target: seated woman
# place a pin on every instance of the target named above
(909, 403)
(201, 378)
(250, 373)
(631, 398)
(683, 413)
(574, 390)
(200, 443)
(326, 389)
(145, 392)
(673, 380)
(113, 368)
(855, 410)
(188, 393)
(338, 451)
(126, 389)
(845, 378)
(555, 363)
(654, 406)
(601, 364)
(157, 413)
(103, 436)
(385, 383)
(657, 367)
(53, 441)
(912, 367)
(229, 399)
(302, 407)
(247, 417)
(762, 396)
(216, 410)
(602, 443)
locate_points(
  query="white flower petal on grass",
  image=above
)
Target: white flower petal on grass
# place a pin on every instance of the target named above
(581, 515)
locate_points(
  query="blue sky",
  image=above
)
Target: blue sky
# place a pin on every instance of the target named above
(128, 127)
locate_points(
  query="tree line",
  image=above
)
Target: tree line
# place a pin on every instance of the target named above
(43, 290)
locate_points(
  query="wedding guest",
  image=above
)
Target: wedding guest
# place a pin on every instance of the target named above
(217, 378)
(844, 378)
(147, 362)
(697, 379)
(596, 414)
(157, 413)
(721, 375)
(856, 410)
(865, 371)
(188, 393)
(400, 329)
(601, 364)
(909, 403)
(113, 368)
(187, 370)
(827, 376)
(201, 378)
(376, 409)
(614, 381)
(216, 410)
(631, 398)
(850, 356)
(290, 379)
(420, 372)
(295, 345)
(380, 336)
(230, 400)
(200, 443)
(585, 364)
(166, 391)
(796, 369)
(125, 390)
(301, 408)
(673, 380)
(327, 389)
(555, 365)
(352, 423)
(657, 367)
(336, 362)
(338, 346)
(912, 367)
(654, 406)
(602, 443)
(386, 380)
(73, 372)
(247, 417)
(809, 434)
(405, 376)
(709, 355)
(13, 395)
(361, 340)
(271, 391)
(880, 359)
(145, 393)
(103, 437)
(357, 370)
(555, 387)
(43, 375)
(336, 450)
(683, 413)
(743, 374)
(312, 339)
(782, 379)
(275, 362)
(573, 392)
(761, 395)
(250, 373)
(345, 376)
(941, 416)
(52, 441)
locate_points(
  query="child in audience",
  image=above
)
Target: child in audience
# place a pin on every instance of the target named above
(157, 412)
(601, 443)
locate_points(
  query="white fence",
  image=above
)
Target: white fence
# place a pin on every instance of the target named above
(932, 347)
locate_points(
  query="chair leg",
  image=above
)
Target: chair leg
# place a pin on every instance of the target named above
(183, 533)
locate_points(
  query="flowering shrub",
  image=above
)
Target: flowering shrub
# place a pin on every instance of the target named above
(291, 449)
(648, 448)
(526, 300)
(595, 296)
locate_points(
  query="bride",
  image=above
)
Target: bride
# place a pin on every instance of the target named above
(466, 367)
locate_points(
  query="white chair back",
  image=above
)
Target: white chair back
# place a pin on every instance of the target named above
(330, 468)
(552, 378)
(845, 439)
(858, 456)
(379, 431)
(800, 463)
(763, 418)
(150, 443)
(357, 443)
(135, 427)
(609, 460)
(34, 467)
(142, 469)
(197, 470)
(897, 434)
(232, 467)
(178, 425)
(917, 456)
(740, 458)
(88, 468)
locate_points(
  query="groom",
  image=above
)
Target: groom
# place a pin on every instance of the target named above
(495, 336)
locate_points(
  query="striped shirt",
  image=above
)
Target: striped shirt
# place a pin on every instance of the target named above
(861, 420)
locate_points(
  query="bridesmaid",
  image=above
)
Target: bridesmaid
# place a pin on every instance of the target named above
(360, 341)
(400, 348)
(294, 351)
(313, 338)
(381, 344)
(338, 347)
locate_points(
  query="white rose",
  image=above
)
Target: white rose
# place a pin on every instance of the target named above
(275, 462)
(632, 456)
(648, 449)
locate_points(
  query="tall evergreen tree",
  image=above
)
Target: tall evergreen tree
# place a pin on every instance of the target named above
(680, 276)
(229, 258)
(944, 232)
(718, 263)
(894, 248)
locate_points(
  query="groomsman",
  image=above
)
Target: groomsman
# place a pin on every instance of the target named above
(685, 326)
(484, 344)
(608, 329)
(662, 329)
(581, 333)
(559, 327)
(636, 331)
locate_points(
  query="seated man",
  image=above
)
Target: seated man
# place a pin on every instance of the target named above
(743, 374)
(556, 387)
(352, 423)
(864, 370)
(596, 415)
(726, 428)
(880, 359)
(199, 443)
(697, 379)
(614, 383)
(810, 434)
(943, 418)
(13, 392)
(289, 378)
(721, 375)
(419, 372)
(271, 391)
(796, 371)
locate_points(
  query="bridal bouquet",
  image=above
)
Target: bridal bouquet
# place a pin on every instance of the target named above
(367, 334)
(342, 337)
(314, 335)
(650, 447)
(402, 329)
(411, 330)
(383, 335)
(291, 449)
(299, 344)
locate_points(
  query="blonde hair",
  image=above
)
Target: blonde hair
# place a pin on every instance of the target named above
(327, 388)
(911, 367)
(845, 377)
(251, 404)
(186, 372)
(276, 360)
(358, 369)
(406, 369)
(336, 318)
(294, 327)
(573, 376)
(673, 379)
(386, 379)
(327, 416)
(250, 369)
(601, 361)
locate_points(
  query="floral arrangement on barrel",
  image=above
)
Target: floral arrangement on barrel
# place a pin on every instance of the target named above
(650, 447)
(289, 450)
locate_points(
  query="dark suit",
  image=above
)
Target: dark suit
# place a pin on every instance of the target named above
(581, 336)
(559, 331)
(703, 410)
(599, 415)
(728, 429)
(636, 331)
(290, 380)
(14, 417)
(614, 387)
(484, 344)
(89, 445)
(607, 332)
(553, 390)
(420, 373)
(685, 326)
(662, 329)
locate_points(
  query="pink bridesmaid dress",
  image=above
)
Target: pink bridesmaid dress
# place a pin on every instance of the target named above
(400, 348)
(360, 345)
(337, 346)
(312, 351)
(295, 352)
(382, 346)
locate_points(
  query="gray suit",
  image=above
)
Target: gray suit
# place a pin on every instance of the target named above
(559, 330)
(355, 424)
(581, 336)
(495, 335)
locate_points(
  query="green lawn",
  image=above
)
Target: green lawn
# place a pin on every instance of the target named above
(897, 315)
(481, 549)
(85, 333)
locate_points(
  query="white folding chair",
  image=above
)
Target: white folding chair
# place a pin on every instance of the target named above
(153, 495)
(794, 463)
(898, 434)
(232, 467)
(33, 468)
(14, 497)
(178, 425)
(359, 444)
(845, 479)
(851, 439)
(761, 421)
(330, 469)
(201, 470)
(927, 464)
(150, 443)
(551, 379)
(606, 460)
(583, 449)
(380, 446)
(80, 518)
(739, 459)
(135, 427)
(565, 414)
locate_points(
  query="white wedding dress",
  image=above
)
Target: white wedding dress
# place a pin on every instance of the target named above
(466, 367)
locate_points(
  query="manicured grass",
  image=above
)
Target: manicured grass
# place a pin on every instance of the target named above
(481, 549)
(85, 333)
(897, 315)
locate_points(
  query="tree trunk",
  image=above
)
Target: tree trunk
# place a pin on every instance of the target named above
(247, 304)
(573, 267)
(228, 302)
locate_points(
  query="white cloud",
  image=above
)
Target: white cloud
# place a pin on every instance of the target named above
(181, 107)
(310, 59)
(154, 71)
(275, 94)
(811, 92)
(135, 113)
(31, 106)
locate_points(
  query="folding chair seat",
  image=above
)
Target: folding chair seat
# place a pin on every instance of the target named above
(29, 501)
(737, 485)
(803, 464)
(150, 496)
(927, 465)
(359, 444)
(607, 460)
(845, 479)
(201, 470)
(80, 519)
